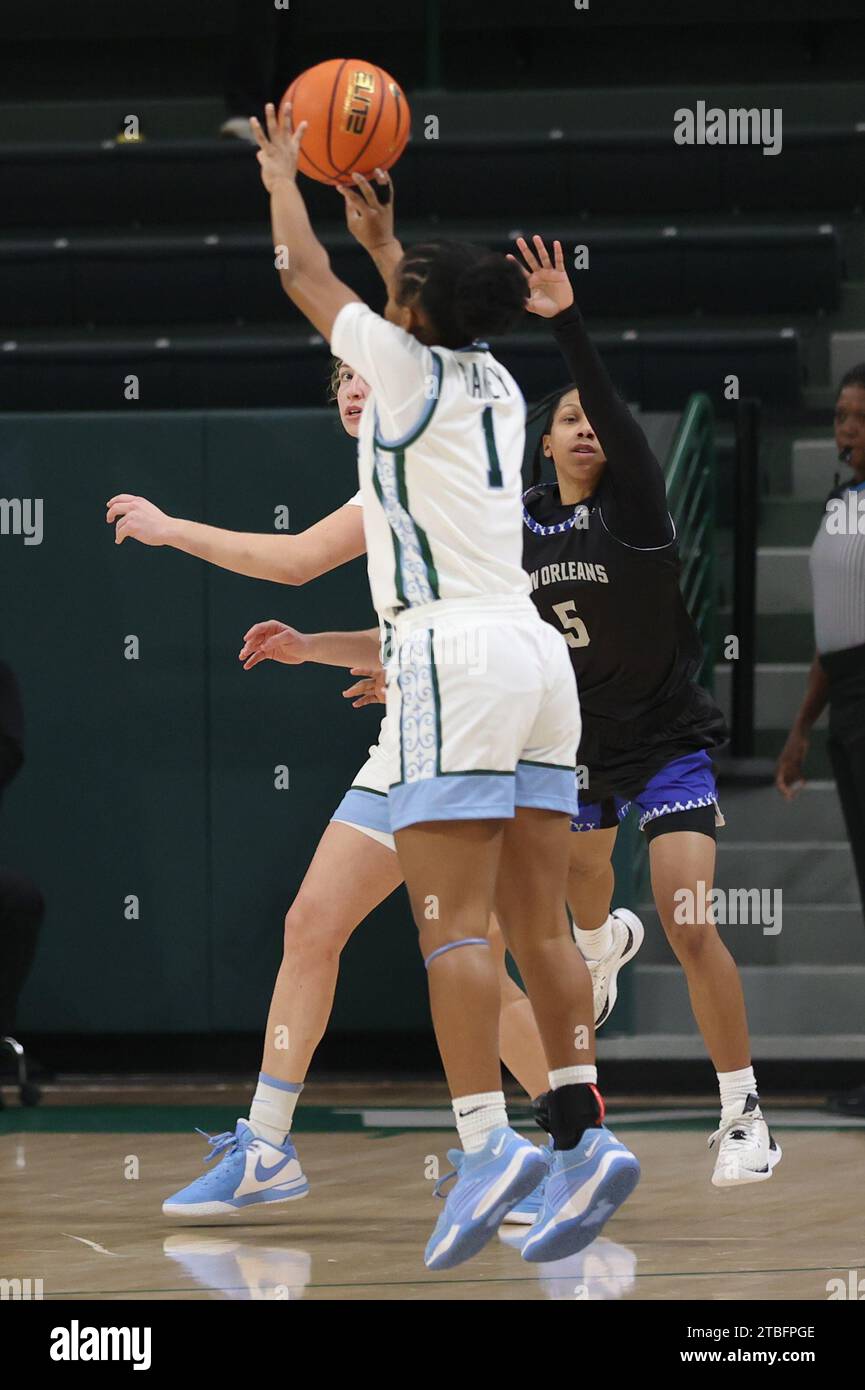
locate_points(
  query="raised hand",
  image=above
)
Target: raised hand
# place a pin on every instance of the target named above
(139, 519)
(548, 284)
(369, 220)
(278, 149)
(273, 641)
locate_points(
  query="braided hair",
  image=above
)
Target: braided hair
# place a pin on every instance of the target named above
(465, 291)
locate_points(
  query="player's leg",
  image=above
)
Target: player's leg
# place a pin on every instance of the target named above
(462, 724)
(591, 1174)
(259, 1162)
(590, 876)
(534, 923)
(520, 1043)
(450, 872)
(607, 937)
(682, 860)
(350, 874)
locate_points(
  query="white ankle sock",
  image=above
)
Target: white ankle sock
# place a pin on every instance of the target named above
(594, 944)
(573, 1076)
(735, 1088)
(272, 1109)
(477, 1117)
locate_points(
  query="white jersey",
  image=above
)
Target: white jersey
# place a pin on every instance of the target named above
(440, 454)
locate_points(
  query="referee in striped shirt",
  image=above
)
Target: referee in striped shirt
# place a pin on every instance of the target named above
(837, 674)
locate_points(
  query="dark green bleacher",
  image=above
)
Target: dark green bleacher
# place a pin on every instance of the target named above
(103, 183)
(257, 368)
(160, 278)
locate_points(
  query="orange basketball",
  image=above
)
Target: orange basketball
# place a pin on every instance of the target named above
(358, 119)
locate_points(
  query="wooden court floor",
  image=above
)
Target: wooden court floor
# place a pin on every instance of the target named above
(81, 1188)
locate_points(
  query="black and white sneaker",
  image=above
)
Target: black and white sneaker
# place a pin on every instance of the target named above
(746, 1150)
(627, 940)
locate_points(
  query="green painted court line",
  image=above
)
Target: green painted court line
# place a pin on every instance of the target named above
(373, 1121)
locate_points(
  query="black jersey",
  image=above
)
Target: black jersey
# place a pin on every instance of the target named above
(606, 574)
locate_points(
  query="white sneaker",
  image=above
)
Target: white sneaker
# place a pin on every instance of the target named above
(746, 1150)
(627, 940)
(239, 128)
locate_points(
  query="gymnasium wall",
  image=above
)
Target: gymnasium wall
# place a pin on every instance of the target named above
(152, 777)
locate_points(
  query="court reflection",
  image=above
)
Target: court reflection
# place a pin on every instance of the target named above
(601, 1272)
(235, 1269)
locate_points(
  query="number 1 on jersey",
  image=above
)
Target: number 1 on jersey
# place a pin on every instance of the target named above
(494, 474)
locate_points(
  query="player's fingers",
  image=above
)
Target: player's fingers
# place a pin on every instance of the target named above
(365, 189)
(279, 639)
(271, 121)
(258, 631)
(285, 118)
(121, 497)
(543, 253)
(519, 265)
(385, 189)
(526, 253)
(353, 198)
(559, 255)
(297, 137)
(253, 661)
(255, 127)
(117, 509)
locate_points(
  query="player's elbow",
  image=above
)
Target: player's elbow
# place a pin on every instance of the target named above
(309, 267)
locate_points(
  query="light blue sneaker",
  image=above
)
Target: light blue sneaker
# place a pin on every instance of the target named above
(251, 1172)
(585, 1186)
(488, 1184)
(526, 1211)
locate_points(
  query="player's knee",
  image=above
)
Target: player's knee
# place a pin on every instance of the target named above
(311, 926)
(688, 941)
(432, 935)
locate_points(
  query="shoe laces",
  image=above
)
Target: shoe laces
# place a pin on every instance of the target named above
(740, 1130)
(220, 1143)
(456, 1156)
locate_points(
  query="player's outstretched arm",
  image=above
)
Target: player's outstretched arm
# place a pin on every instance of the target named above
(635, 508)
(304, 265)
(369, 213)
(297, 559)
(275, 641)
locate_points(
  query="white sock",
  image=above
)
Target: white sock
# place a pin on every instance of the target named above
(594, 944)
(735, 1088)
(477, 1117)
(573, 1076)
(272, 1109)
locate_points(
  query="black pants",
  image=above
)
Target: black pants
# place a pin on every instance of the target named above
(845, 672)
(21, 909)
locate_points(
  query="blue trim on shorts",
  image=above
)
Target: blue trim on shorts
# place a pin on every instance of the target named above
(461, 796)
(549, 788)
(682, 785)
(588, 817)
(369, 809)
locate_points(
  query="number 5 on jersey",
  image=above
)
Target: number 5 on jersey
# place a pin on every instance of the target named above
(576, 632)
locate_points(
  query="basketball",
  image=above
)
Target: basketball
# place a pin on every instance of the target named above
(358, 119)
